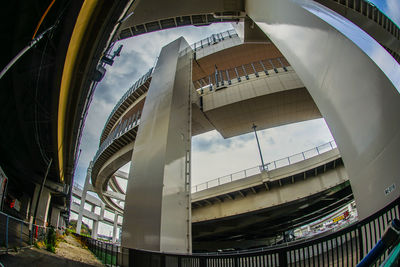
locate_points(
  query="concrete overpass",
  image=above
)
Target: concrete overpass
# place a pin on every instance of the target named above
(92, 214)
(247, 208)
(65, 77)
(244, 213)
(229, 102)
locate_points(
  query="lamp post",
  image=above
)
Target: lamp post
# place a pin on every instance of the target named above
(258, 144)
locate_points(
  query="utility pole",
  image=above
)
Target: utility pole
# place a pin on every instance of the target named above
(258, 144)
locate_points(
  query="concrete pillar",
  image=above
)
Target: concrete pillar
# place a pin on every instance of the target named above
(25, 206)
(157, 207)
(55, 217)
(115, 228)
(95, 229)
(43, 207)
(102, 210)
(355, 86)
(83, 198)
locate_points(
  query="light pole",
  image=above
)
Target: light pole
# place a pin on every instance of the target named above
(258, 144)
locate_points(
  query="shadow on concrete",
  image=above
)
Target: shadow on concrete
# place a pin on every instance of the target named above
(37, 258)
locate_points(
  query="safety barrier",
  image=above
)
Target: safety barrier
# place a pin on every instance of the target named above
(16, 233)
(213, 39)
(222, 78)
(267, 167)
(346, 247)
(107, 253)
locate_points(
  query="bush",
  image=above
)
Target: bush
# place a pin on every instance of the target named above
(68, 231)
(51, 248)
(51, 240)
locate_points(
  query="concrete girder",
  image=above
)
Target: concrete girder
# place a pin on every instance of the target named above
(354, 96)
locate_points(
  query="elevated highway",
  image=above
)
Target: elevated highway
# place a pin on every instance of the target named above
(257, 85)
(51, 87)
(246, 212)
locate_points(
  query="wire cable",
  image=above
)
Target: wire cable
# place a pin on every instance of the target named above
(42, 18)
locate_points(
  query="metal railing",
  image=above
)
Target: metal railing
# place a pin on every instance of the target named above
(268, 167)
(346, 247)
(16, 233)
(132, 89)
(107, 253)
(222, 78)
(124, 126)
(213, 39)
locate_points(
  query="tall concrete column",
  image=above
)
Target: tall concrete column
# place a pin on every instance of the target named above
(115, 228)
(359, 101)
(83, 198)
(157, 206)
(95, 229)
(43, 207)
(55, 217)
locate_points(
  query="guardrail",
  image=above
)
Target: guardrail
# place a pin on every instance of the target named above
(135, 86)
(222, 78)
(268, 167)
(123, 127)
(213, 39)
(16, 233)
(346, 247)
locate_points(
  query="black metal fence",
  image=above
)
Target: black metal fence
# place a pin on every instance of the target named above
(345, 247)
(106, 252)
(16, 233)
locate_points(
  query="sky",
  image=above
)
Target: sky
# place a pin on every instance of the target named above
(212, 156)
(390, 8)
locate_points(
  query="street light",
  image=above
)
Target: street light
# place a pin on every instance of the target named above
(258, 144)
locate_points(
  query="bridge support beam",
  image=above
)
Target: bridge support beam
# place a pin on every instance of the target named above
(83, 198)
(43, 205)
(55, 217)
(157, 208)
(358, 101)
(95, 229)
(115, 228)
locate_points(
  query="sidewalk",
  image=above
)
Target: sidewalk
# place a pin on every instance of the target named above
(68, 253)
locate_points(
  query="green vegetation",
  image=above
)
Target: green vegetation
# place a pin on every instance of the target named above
(51, 240)
(106, 257)
(85, 230)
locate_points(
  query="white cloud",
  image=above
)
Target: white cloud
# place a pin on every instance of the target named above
(393, 10)
(226, 156)
(137, 57)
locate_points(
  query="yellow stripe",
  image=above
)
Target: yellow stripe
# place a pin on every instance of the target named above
(75, 44)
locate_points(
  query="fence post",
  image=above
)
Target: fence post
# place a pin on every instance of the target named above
(7, 233)
(21, 232)
(360, 240)
(282, 258)
(202, 262)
